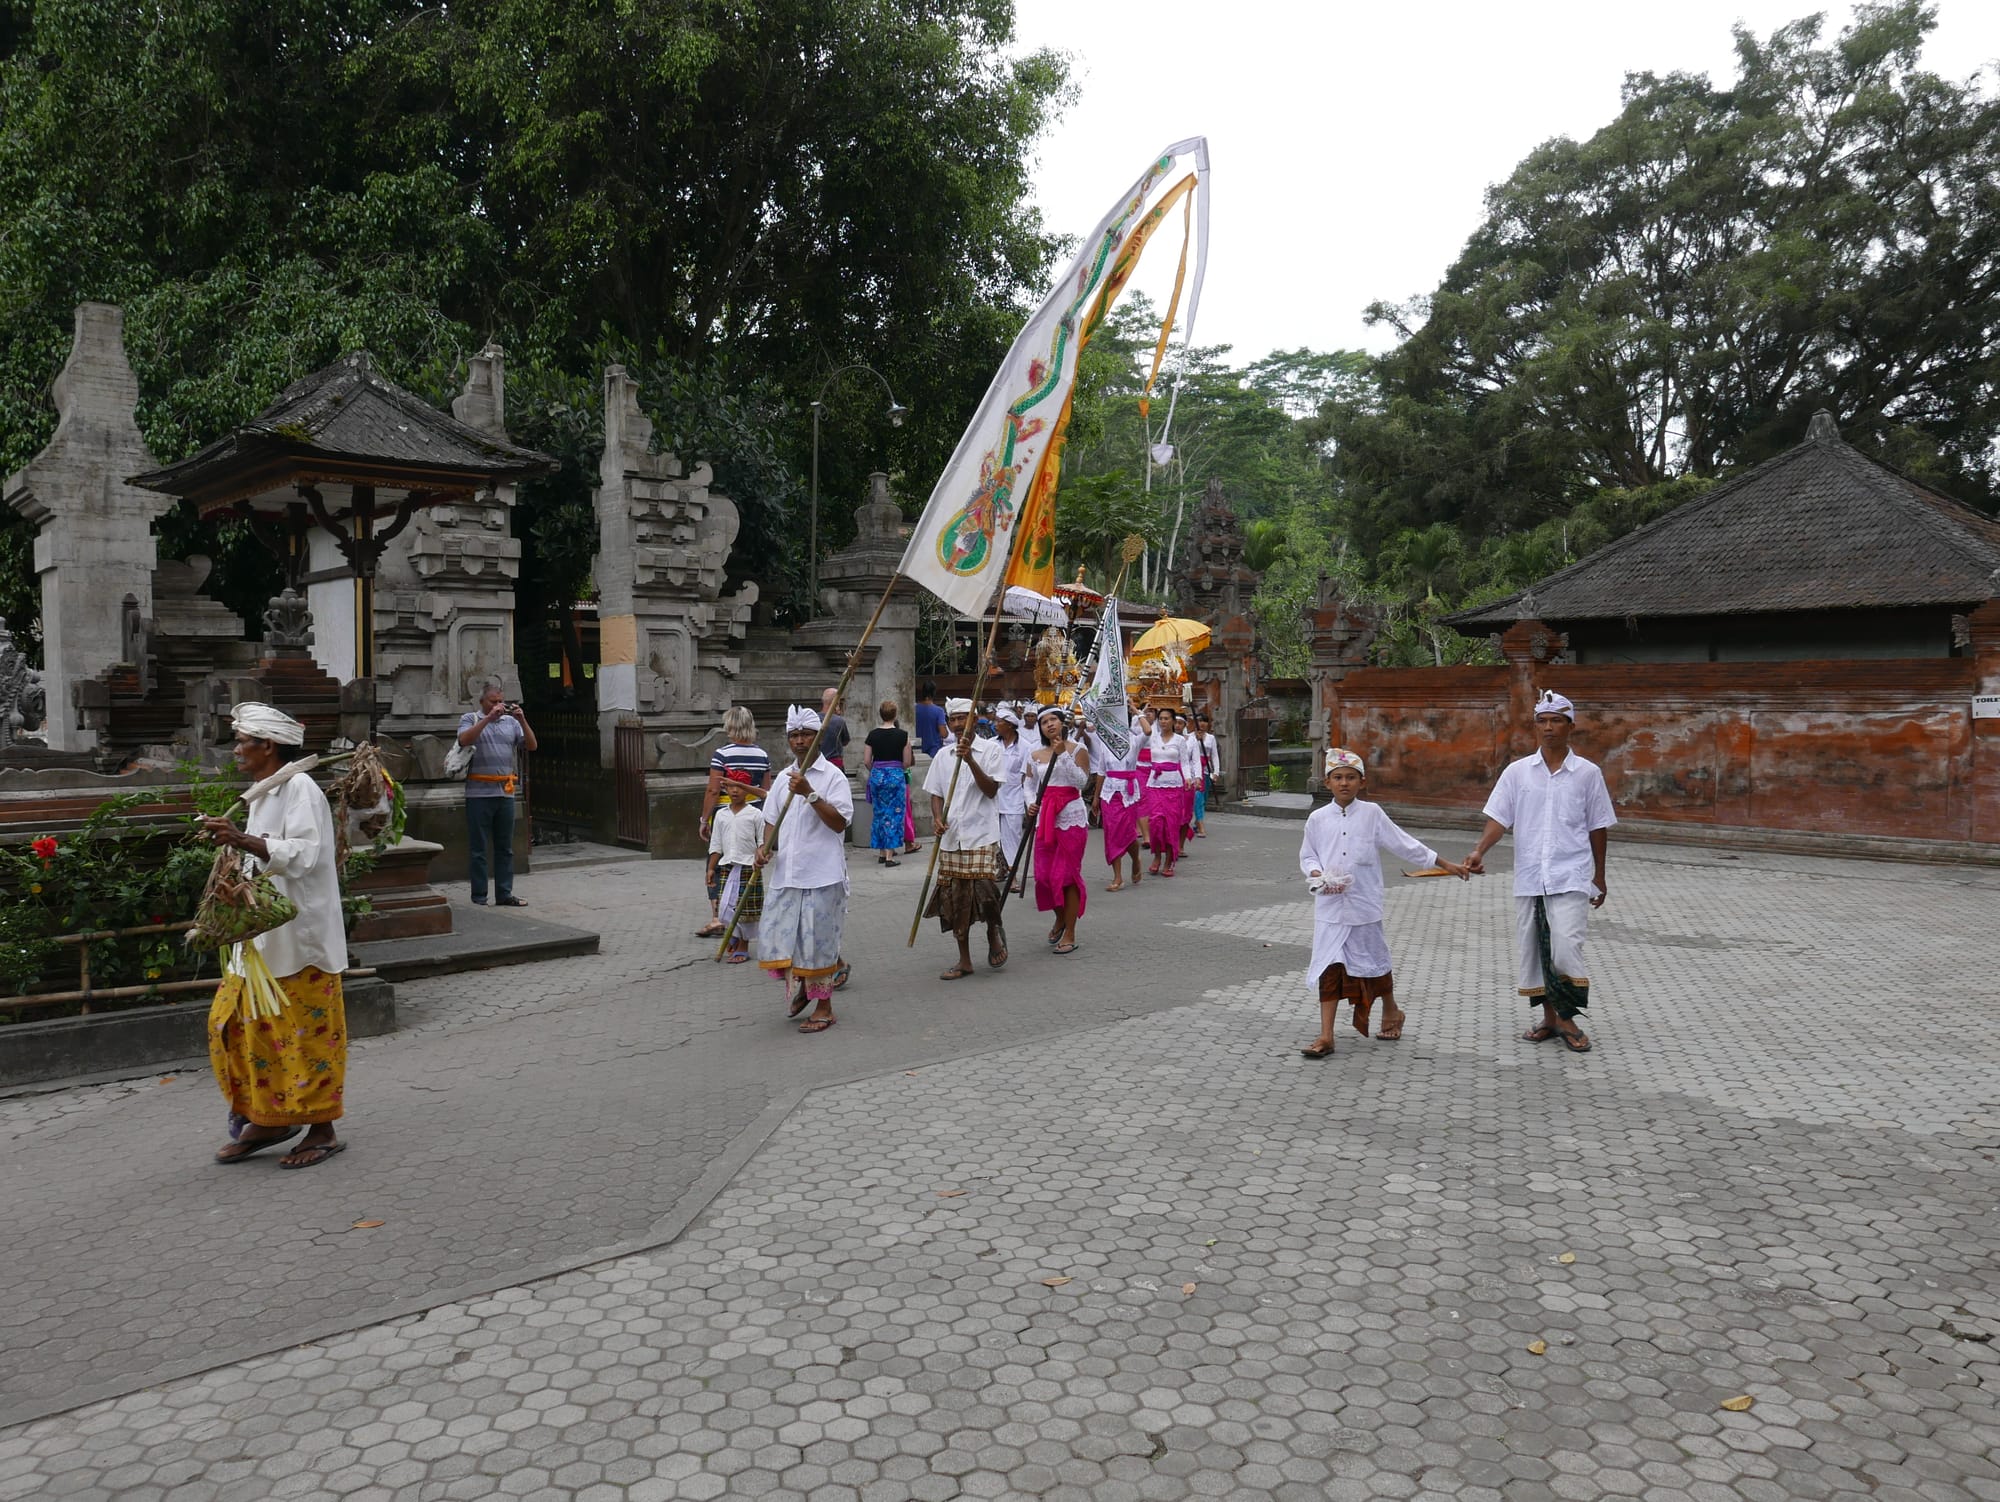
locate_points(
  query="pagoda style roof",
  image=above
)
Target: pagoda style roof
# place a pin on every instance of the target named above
(1820, 527)
(346, 425)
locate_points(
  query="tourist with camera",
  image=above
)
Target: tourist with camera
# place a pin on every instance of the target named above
(496, 732)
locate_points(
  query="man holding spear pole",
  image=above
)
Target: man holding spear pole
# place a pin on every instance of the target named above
(963, 783)
(805, 860)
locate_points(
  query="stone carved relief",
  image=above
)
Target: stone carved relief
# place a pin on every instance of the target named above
(288, 624)
(664, 539)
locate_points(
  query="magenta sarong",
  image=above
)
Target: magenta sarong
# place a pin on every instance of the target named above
(1121, 819)
(1059, 853)
(1162, 808)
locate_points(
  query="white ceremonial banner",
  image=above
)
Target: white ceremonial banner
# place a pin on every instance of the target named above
(960, 546)
(1104, 701)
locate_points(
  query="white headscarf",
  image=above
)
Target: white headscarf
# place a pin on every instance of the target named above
(957, 706)
(267, 724)
(1552, 702)
(1011, 714)
(801, 717)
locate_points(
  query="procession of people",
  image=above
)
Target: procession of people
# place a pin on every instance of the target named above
(1013, 791)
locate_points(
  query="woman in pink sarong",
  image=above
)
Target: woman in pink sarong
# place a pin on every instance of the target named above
(1062, 825)
(1166, 797)
(1118, 806)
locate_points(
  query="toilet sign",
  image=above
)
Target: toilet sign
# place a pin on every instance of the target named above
(1986, 706)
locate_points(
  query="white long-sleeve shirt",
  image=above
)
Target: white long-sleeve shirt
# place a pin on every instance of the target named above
(1552, 815)
(1176, 762)
(296, 825)
(1351, 840)
(1009, 800)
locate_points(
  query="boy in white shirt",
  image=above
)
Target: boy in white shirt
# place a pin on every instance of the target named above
(1340, 856)
(732, 861)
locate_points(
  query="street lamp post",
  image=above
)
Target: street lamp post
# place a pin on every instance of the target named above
(897, 412)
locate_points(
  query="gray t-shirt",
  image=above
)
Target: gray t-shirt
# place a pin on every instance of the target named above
(493, 754)
(833, 742)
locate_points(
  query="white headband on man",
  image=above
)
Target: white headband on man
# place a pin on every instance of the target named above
(1010, 714)
(801, 717)
(1337, 756)
(266, 723)
(1552, 702)
(957, 706)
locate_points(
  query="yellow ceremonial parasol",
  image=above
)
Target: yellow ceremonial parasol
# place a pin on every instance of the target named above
(1169, 631)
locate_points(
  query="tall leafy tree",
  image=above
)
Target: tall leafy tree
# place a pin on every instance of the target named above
(776, 189)
(1677, 294)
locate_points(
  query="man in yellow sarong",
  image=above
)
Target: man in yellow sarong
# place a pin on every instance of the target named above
(285, 1071)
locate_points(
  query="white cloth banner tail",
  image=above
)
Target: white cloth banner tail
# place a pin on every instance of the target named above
(1104, 701)
(959, 548)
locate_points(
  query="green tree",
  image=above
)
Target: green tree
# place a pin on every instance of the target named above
(1677, 294)
(765, 192)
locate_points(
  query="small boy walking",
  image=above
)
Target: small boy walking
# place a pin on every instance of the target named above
(732, 862)
(1340, 856)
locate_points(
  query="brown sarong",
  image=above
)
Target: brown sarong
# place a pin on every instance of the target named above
(968, 889)
(1336, 986)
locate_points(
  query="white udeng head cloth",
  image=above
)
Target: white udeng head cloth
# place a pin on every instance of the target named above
(1552, 702)
(1337, 756)
(801, 717)
(957, 706)
(1011, 714)
(267, 724)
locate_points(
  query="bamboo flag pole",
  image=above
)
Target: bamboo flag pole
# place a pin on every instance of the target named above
(769, 842)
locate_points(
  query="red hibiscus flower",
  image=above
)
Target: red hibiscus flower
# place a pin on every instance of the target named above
(45, 847)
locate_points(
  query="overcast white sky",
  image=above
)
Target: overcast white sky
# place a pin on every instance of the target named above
(1351, 143)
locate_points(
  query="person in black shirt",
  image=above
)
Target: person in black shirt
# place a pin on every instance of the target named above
(887, 754)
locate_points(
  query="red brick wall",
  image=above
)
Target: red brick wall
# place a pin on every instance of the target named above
(1856, 747)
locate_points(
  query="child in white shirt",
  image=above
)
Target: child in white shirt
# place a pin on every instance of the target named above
(1340, 856)
(732, 858)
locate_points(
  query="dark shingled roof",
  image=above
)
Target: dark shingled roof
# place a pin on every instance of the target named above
(341, 422)
(1820, 527)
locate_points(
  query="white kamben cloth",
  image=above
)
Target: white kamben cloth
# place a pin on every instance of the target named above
(1569, 919)
(267, 724)
(292, 818)
(971, 817)
(1552, 815)
(801, 717)
(1347, 925)
(808, 854)
(1552, 702)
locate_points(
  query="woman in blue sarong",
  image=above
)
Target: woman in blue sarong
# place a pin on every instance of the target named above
(887, 754)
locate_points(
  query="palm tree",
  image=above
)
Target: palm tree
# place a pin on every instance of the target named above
(1424, 559)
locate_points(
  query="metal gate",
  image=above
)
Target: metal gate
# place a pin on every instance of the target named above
(1253, 750)
(629, 781)
(565, 771)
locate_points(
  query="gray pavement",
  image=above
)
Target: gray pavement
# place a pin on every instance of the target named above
(1093, 1230)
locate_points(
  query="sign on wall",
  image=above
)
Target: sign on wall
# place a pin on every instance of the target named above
(1986, 706)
